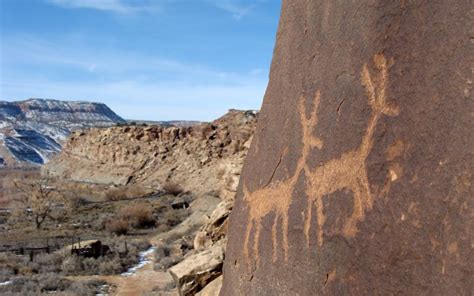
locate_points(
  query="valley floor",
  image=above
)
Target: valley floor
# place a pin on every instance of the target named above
(42, 259)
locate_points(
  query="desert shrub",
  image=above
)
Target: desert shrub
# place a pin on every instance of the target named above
(139, 215)
(5, 274)
(118, 226)
(126, 192)
(52, 282)
(115, 194)
(49, 283)
(110, 266)
(78, 201)
(162, 228)
(172, 188)
(173, 218)
(71, 265)
(137, 191)
(47, 263)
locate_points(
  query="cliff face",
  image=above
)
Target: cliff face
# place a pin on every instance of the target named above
(200, 158)
(32, 131)
(359, 180)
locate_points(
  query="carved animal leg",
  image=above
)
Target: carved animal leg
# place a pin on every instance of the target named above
(285, 235)
(320, 218)
(256, 240)
(274, 237)
(247, 241)
(367, 201)
(350, 229)
(307, 221)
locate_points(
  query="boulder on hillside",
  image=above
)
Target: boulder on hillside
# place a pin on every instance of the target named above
(212, 289)
(216, 227)
(199, 269)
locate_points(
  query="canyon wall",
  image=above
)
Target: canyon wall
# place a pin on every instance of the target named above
(203, 158)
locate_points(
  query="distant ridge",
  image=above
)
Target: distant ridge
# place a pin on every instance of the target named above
(31, 131)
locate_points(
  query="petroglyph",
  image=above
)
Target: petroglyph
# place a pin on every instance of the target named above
(348, 171)
(276, 197)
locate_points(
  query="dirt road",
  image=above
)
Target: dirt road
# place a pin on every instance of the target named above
(142, 282)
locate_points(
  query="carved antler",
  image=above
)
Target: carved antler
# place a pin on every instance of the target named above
(309, 124)
(377, 95)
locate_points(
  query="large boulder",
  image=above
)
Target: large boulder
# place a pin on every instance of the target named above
(199, 269)
(359, 178)
(215, 228)
(212, 289)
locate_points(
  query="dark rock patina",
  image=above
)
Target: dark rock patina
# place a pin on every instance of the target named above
(359, 178)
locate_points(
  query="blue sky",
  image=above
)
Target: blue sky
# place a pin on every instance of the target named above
(146, 59)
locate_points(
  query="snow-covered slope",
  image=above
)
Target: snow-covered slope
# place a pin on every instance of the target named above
(32, 131)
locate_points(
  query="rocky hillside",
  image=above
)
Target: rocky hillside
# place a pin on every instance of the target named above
(201, 158)
(32, 131)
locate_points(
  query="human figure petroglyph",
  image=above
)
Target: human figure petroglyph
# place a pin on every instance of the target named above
(348, 171)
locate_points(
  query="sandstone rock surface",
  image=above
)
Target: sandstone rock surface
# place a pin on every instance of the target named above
(195, 271)
(212, 289)
(359, 179)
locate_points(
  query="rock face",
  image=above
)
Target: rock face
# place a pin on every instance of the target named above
(359, 180)
(199, 158)
(32, 131)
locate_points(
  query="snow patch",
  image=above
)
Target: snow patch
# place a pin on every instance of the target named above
(6, 283)
(143, 259)
(103, 290)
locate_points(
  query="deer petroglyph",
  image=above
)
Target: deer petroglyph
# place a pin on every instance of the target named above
(276, 197)
(348, 171)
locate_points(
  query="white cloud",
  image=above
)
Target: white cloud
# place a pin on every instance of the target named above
(235, 8)
(33, 51)
(116, 6)
(132, 84)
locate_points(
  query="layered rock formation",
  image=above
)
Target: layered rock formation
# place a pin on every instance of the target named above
(201, 158)
(32, 131)
(359, 180)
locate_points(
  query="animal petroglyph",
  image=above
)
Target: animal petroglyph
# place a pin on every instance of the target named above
(348, 171)
(276, 196)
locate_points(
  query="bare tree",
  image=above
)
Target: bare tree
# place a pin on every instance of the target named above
(39, 200)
